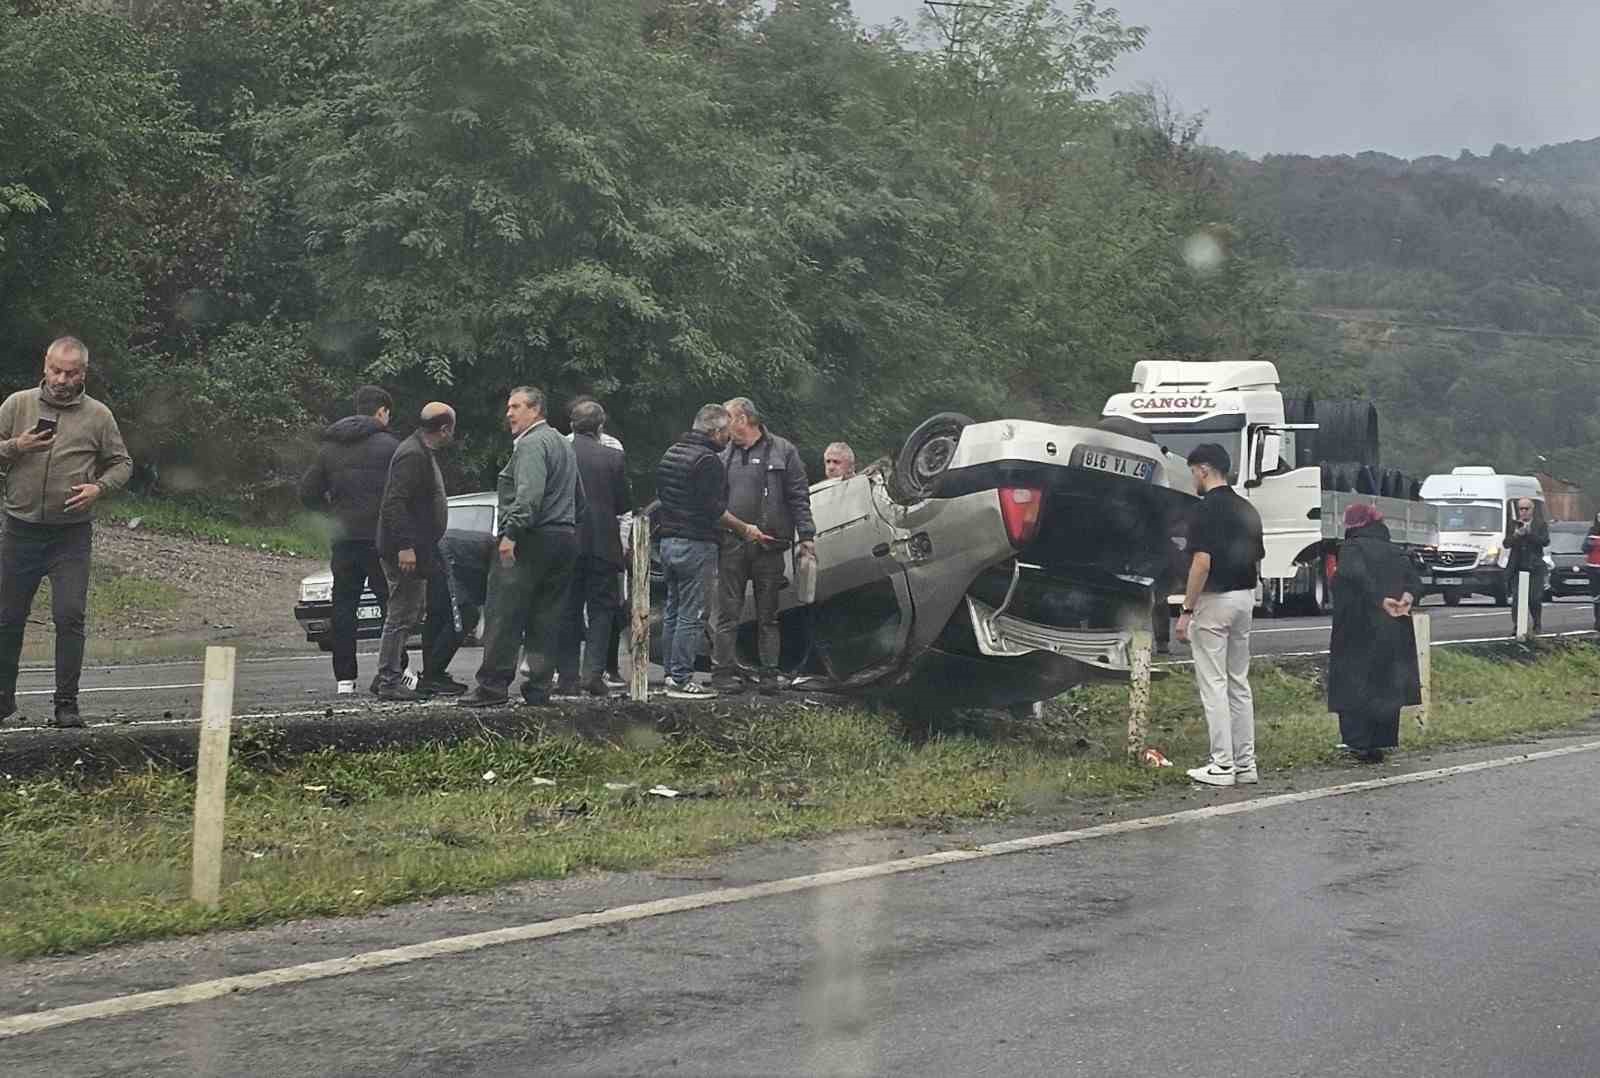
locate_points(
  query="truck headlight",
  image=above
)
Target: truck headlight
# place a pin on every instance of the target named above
(316, 592)
(1491, 557)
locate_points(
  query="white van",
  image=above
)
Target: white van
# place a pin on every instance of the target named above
(1475, 505)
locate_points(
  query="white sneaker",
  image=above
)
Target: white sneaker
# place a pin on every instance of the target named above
(689, 690)
(1212, 775)
(346, 688)
(1246, 776)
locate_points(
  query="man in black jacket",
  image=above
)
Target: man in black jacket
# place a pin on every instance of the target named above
(595, 579)
(411, 521)
(347, 479)
(766, 486)
(1527, 539)
(691, 516)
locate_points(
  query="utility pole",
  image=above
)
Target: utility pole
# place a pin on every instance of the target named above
(951, 10)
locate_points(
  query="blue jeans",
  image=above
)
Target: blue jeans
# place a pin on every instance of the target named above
(688, 565)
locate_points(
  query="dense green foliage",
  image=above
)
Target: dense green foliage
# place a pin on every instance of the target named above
(661, 206)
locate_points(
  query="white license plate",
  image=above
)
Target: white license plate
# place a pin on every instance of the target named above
(369, 613)
(1447, 580)
(1577, 580)
(1116, 464)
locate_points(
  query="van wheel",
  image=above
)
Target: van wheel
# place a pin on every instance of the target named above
(1452, 597)
(925, 456)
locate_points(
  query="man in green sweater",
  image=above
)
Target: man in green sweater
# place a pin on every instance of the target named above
(62, 452)
(540, 502)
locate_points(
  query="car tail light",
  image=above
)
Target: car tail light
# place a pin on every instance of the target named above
(1021, 507)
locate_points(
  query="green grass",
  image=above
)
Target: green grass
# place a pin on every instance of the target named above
(115, 596)
(303, 533)
(88, 863)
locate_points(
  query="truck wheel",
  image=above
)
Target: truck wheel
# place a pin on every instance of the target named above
(925, 456)
(1452, 597)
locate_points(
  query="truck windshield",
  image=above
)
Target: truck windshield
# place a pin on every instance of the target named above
(1182, 443)
(1471, 518)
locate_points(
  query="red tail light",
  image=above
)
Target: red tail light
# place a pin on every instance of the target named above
(1021, 507)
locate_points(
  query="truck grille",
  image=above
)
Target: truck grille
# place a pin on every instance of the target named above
(1451, 559)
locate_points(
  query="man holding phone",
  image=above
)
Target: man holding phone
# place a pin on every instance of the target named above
(62, 451)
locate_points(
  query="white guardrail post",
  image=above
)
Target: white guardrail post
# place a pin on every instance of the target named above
(639, 585)
(1422, 626)
(211, 775)
(1524, 626)
(1139, 693)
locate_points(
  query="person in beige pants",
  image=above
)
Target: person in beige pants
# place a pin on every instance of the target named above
(1225, 547)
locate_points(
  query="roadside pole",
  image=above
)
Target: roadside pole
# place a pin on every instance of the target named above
(1422, 626)
(1524, 626)
(639, 585)
(211, 775)
(1139, 693)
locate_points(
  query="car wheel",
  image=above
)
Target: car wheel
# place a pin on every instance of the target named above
(925, 456)
(1452, 597)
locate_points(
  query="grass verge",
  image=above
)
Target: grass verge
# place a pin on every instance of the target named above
(85, 864)
(301, 534)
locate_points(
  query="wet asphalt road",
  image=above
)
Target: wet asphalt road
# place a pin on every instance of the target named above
(304, 683)
(1446, 928)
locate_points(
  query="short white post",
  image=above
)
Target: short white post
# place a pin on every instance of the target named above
(211, 775)
(1524, 625)
(1139, 692)
(639, 584)
(1422, 627)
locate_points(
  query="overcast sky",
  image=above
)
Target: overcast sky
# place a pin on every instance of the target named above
(1409, 77)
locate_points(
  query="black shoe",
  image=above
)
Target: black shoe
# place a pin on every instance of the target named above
(479, 698)
(1369, 756)
(67, 715)
(565, 690)
(397, 693)
(8, 707)
(536, 697)
(770, 684)
(727, 684)
(442, 685)
(596, 686)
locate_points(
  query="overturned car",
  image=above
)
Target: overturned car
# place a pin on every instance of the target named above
(991, 564)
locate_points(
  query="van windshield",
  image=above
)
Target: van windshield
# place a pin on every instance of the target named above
(1471, 518)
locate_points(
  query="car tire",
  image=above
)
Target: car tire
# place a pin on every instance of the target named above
(925, 456)
(1452, 596)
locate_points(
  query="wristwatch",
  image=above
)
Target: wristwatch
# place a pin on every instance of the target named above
(1189, 610)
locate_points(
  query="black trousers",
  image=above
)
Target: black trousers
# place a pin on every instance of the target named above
(356, 567)
(28, 554)
(590, 612)
(526, 601)
(444, 627)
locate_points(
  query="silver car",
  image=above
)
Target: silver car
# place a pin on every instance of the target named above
(993, 563)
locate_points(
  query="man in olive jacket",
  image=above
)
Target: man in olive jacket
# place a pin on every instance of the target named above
(62, 452)
(411, 521)
(540, 502)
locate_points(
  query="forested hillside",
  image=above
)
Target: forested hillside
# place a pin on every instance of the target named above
(1463, 295)
(249, 206)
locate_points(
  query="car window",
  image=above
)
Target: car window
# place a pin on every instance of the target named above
(1565, 542)
(472, 518)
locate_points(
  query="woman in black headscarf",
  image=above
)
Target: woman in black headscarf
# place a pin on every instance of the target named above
(1372, 668)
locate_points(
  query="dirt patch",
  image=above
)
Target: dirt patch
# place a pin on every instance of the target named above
(197, 593)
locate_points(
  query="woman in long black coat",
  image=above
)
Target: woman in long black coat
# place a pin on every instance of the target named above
(1372, 668)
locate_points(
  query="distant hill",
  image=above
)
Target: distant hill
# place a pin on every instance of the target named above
(1463, 295)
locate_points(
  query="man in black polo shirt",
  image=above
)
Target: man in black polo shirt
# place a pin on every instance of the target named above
(1225, 547)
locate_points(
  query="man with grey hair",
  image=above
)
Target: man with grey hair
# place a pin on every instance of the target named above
(766, 486)
(595, 594)
(612, 675)
(412, 518)
(62, 451)
(839, 461)
(540, 501)
(691, 515)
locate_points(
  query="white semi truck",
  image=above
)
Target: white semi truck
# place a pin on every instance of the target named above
(1240, 406)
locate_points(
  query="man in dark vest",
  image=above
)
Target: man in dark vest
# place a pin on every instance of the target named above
(595, 594)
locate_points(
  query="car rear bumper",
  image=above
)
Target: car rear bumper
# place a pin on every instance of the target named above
(1001, 635)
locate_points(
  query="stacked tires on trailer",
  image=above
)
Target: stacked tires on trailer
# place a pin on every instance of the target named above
(1345, 447)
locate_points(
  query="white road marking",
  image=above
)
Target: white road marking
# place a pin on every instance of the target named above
(1295, 629)
(118, 1006)
(114, 688)
(1490, 614)
(1436, 643)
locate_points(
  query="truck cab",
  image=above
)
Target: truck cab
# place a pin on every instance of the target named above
(1475, 505)
(1239, 406)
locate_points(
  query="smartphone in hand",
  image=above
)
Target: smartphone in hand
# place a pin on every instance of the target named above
(45, 426)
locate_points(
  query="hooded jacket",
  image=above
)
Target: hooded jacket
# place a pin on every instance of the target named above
(348, 477)
(87, 448)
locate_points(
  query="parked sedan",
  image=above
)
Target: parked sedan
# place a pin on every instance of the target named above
(1568, 574)
(992, 564)
(472, 517)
